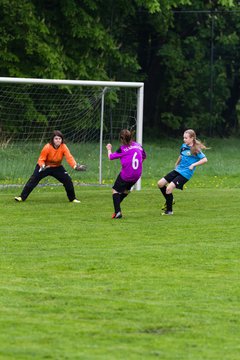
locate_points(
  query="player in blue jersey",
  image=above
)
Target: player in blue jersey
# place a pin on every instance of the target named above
(131, 155)
(191, 155)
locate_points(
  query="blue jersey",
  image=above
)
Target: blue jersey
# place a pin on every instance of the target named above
(187, 159)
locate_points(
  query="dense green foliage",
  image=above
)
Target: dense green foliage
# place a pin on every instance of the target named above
(187, 52)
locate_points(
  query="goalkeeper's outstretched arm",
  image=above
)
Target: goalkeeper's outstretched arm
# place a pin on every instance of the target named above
(79, 167)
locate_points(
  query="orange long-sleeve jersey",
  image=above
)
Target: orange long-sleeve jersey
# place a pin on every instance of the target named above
(53, 157)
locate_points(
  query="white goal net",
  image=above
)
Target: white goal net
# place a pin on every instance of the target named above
(89, 114)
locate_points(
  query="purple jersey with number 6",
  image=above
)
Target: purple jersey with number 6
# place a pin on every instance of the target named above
(131, 157)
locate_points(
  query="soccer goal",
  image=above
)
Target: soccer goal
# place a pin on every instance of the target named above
(89, 113)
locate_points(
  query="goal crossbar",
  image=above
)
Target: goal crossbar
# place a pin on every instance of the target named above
(71, 82)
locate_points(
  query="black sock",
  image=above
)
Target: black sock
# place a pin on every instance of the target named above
(116, 202)
(122, 196)
(163, 191)
(169, 201)
(168, 197)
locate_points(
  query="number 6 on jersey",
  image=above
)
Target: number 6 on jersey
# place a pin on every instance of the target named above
(135, 161)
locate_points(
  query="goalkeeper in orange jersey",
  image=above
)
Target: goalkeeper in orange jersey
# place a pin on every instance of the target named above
(50, 164)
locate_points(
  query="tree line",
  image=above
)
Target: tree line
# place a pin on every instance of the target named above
(186, 52)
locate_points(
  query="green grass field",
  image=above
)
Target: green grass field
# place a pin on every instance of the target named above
(76, 284)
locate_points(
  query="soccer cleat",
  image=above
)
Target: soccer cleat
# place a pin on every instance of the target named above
(167, 212)
(165, 205)
(18, 198)
(117, 216)
(76, 201)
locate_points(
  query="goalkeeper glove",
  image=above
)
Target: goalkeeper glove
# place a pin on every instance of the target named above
(79, 167)
(42, 168)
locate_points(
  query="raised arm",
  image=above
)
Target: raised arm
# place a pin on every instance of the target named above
(109, 149)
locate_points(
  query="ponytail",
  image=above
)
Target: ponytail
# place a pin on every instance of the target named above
(197, 144)
(126, 136)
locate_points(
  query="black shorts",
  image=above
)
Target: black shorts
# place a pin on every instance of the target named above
(176, 178)
(121, 185)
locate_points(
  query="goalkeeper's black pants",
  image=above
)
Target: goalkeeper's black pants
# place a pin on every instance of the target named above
(58, 173)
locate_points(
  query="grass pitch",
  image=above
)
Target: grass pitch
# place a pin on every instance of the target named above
(76, 284)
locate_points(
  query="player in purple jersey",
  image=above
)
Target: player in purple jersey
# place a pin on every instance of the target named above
(190, 157)
(131, 155)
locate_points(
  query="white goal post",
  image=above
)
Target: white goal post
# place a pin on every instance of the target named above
(104, 87)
